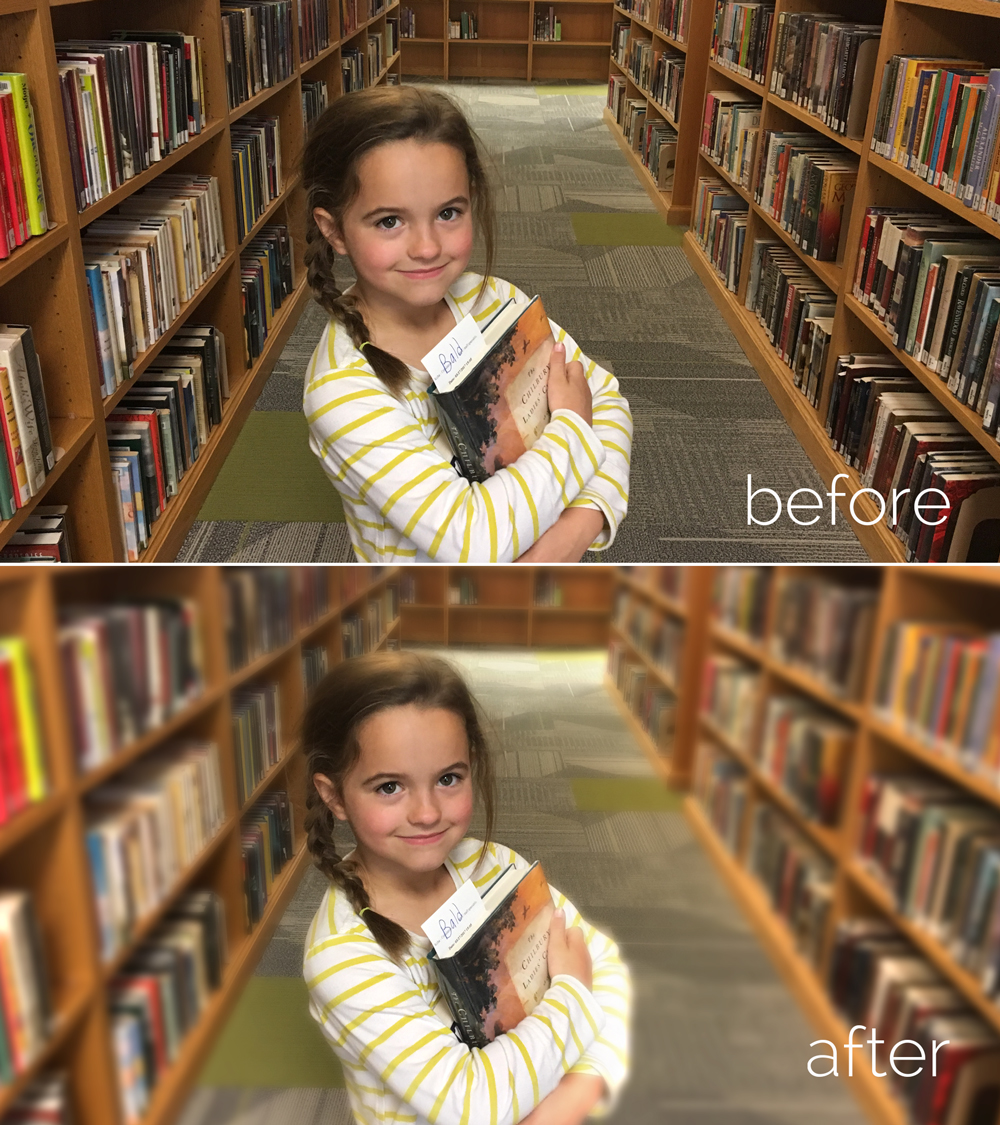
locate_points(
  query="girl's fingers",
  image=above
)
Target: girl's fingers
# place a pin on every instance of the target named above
(557, 361)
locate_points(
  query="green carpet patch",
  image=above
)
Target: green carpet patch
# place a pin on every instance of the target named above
(624, 794)
(271, 1040)
(555, 91)
(610, 228)
(272, 475)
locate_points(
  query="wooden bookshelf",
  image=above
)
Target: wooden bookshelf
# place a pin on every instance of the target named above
(42, 849)
(963, 595)
(506, 47)
(508, 609)
(674, 204)
(42, 283)
(963, 28)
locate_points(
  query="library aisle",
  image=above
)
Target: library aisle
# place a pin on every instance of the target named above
(577, 227)
(718, 1039)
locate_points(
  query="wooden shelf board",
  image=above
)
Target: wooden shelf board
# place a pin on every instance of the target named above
(659, 762)
(973, 7)
(32, 251)
(421, 39)
(805, 681)
(259, 99)
(69, 434)
(814, 123)
(130, 187)
(798, 975)
(363, 593)
(603, 43)
(422, 606)
(290, 185)
(259, 665)
(830, 273)
(578, 611)
(271, 774)
(145, 359)
(877, 540)
(757, 88)
(742, 643)
(30, 819)
(149, 741)
(658, 597)
(647, 661)
(480, 41)
(972, 421)
(672, 214)
(720, 171)
(941, 198)
(325, 53)
(491, 608)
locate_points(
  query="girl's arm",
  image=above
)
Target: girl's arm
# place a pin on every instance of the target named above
(372, 1011)
(379, 453)
(608, 488)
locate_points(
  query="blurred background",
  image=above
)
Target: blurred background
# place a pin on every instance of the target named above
(777, 788)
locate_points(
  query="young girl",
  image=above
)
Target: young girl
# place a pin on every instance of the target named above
(395, 749)
(395, 182)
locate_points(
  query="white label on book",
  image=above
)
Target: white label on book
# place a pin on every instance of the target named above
(449, 360)
(452, 923)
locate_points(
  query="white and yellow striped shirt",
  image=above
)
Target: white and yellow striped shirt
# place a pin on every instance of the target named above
(391, 1027)
(404, 500)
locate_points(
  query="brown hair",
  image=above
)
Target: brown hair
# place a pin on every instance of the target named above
(341, 136)
(351, 693)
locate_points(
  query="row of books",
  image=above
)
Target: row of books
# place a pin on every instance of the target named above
(621, 35)
(352, 632)
(465, 27)
(257, 735)
(156, 999)
(129, 668)
(797, 877)
(729, 692)
(939, 682)
(641, 61)
(729, 132)
(391, 36)
(879, 980)
(376, 54)
(24, 776)
(315, 99)
(658, 151)
(313, 593)
(382, 612)
(407, 23)
(352, 69)
(45, 1101)
(658, 636)
(651, 703)
(940, 119)
(353, 13)
(935, 284)
(887, 425)
(794, 309)
(147, 260)
(722, 787)
(548, 26)
(937, 853)
(408, 589)
(145, 828)
(315, 665)
(23, 212)
(720, 226)
(804, 182)
(673, 18)
(464, 591)
(314, 28)
(128, 100)
(44, 535)
(826, 66)
(741, 36)
(25, 1001)
(267, 841)
(548, 590)
(256, 148)
(157, 430)
(265, 282)
(825, 629)
(28, 455)
(257, 612)
(633, 121)
(667, 83)
(740, 599)
(804, 750)
(257, 38)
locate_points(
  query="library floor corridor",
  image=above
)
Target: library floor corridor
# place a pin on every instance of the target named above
(717, 1039)
(576, 227)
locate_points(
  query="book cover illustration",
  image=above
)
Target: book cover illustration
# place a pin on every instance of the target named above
(500, 409)
(501, 973)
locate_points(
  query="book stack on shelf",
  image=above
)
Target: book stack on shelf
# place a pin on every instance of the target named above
(28, 455)
(730, 133)
(25, 1001)
(408, 23)
(376, 54)
(315, 99)
(741, 36)
(673, 18)
(667, 83)
(315, 665)
(466, 26)
(314, 28)
(352, 69)
(257, 735)
(44, 1102)
(463, 592)
(44, 537)
(548, 26)
(266, 280)
(721, 788)
(23, 213)
(720, 226)
(132, 855)
(258, 39)
(256, 147)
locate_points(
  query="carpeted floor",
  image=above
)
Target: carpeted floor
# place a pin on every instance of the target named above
(576, 226)
(717, 1039)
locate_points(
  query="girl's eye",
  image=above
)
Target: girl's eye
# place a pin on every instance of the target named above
(450, 780)
(450, 213)
(391, 220)
(388, 788)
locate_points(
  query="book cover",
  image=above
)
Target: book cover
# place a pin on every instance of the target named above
(501, 973)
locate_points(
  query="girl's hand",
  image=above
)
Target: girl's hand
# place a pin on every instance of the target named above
(568, 952)
(568, 386)
(568, 539)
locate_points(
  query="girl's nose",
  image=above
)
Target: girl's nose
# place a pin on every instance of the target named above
(425, 245)
(425, 810)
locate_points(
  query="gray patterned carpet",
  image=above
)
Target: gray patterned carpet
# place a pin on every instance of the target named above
(717, 1039)
(703, 419)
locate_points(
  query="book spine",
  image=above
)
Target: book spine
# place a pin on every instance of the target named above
(470, 468)
(27, 140)
(470, 1027)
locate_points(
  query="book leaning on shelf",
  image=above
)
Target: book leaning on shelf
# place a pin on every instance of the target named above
(256, 147)
(25, 1004)
(257, 735)
(266, 280)
(730, 128)
(43, 536)
(268, 843)
(315, 99)
(22, 196)
(314, 28)
(28, 454)
(23, 771)
(145, 828)
(673, 17)
(257, 43)
(720, 226)
(128, 101)
(740, 37)
(257, 611)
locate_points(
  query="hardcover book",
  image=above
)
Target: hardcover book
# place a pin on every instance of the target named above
(499, 407)
(500, 972)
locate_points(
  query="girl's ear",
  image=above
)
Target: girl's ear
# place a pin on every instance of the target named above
(329, 228)
(329, 795)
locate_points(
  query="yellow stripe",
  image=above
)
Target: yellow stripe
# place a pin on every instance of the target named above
(427, 1067)
(439, 1100)
(398, 459)
(613, 1047)
(388, 1033)
(561, 1007)
(558, 1041)
(327, 973)
(531, 1067)
(491, 874)
(423, 507)
(356, 990)
(466, 296)
(327, 943)
(339, 373)
(612, 481)
(364, 420)
(617, 449)
(580, 1001)
(558, 475)
(564, 444)
(590, 368)
(360, 1019)
(428, 472)
(465, 862)
(527, 495)
(579, 433)
(407, 552)
(491, 517)
(436, 541)
(379, 444)
(491, 1086)
(616, 425)
(467, 1104)
(469, 513)
(513, 528)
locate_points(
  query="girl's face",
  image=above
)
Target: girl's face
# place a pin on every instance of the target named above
(409, 796)
(409, 230)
